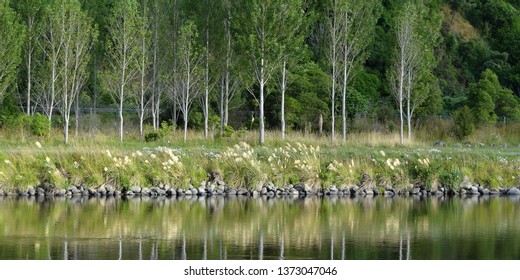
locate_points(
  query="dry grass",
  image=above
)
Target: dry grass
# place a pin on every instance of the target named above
(459, 25)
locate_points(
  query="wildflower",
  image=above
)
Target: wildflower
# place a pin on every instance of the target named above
(76, 164)
(38, 144)
(7, 161)
(147, 162)
(105, 169)
(48, 160)
(382, 153)
(108, 153)
(396, 162)
(153, 156)
(139, 154)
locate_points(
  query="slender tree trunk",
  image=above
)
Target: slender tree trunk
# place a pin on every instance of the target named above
(29, 76)
(76, 114)
(408, 108)
(320, 123)
(95, 89)
(221, 106)
(121, 94)
(206, 84)
(401, 82)
(228, 65)
(333, 103)
(283, 98)
(155, 94)
(261, 120)
(344, 101)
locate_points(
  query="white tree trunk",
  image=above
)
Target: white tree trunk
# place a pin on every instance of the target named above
(283, 98)
(261, 120)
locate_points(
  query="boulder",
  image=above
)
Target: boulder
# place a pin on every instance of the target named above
(513, 191)
(135, 189)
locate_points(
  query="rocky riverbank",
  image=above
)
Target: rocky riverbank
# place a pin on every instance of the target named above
(220, 188)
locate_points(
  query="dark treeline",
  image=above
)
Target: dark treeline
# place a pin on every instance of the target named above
(263, 64)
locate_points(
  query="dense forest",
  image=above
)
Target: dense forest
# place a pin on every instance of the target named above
(223, 65)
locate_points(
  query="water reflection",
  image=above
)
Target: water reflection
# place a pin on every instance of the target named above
(260, 228)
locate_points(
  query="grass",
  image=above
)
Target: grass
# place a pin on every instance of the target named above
(94, 159)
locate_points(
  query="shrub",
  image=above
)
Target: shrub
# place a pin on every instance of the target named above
(463, 123)
(151, 137)
(40, 125)
(451, 177)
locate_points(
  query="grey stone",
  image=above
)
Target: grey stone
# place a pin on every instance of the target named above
(458, 145)
(415, 191)
(130, 193)
(145, 191)
(60, 192)
(161, 192)
(135, 189)
(202, 189)
(439, 144)
(102, 190)
(243, 191)
(194, 191)
(231, 192)
(263, 191)
(188, 192)
(513, 191)
(31, 191)
(388, 193)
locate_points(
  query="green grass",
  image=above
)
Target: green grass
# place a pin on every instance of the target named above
(96, 159)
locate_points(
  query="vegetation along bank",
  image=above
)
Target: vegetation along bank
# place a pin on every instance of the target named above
(292, 169)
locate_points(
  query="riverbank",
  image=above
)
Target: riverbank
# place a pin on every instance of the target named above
(288, 169)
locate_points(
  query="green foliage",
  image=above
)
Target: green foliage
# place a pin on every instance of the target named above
(463, 122)
(13, 35)
(151, 137)
(40, 125)
(451, 176)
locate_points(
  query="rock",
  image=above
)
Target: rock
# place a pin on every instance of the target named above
(466, 185)
(468, 145)
(473, 190)
(462, 192)
(130, 193)
(231, 192)
(145, 191)
(85, 193)
(256, 193)
(369, 192)
(102, 190)
(135, 189)
(485, 192)
(482, 145)
(439, 144)
(73, 189)
(60, 192)
(202, 189)
(513, 191)
(270, 193)
(171, 192)
(161, 192)
(31, 191)
(263, 191)
(415, 191)
(388, 193)
(117, 193)
(243, 191)
(194, 191)
(458, 145)
(220, 182)
(188, 193)
(110, 188)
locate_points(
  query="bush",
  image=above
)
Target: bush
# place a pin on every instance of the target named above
(463, 123)
(151, 137)
(40, 125)
(451, 177)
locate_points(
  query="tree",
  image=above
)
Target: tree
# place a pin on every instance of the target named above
(190, 72)
(144, 64)
(74, 30)
(291, 44)
(30, 11)
(122, 51)
(12, 36)
(260, 28)
(334, 48)
(359, 18)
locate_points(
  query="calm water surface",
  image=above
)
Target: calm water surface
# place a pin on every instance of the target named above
(241, 228)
